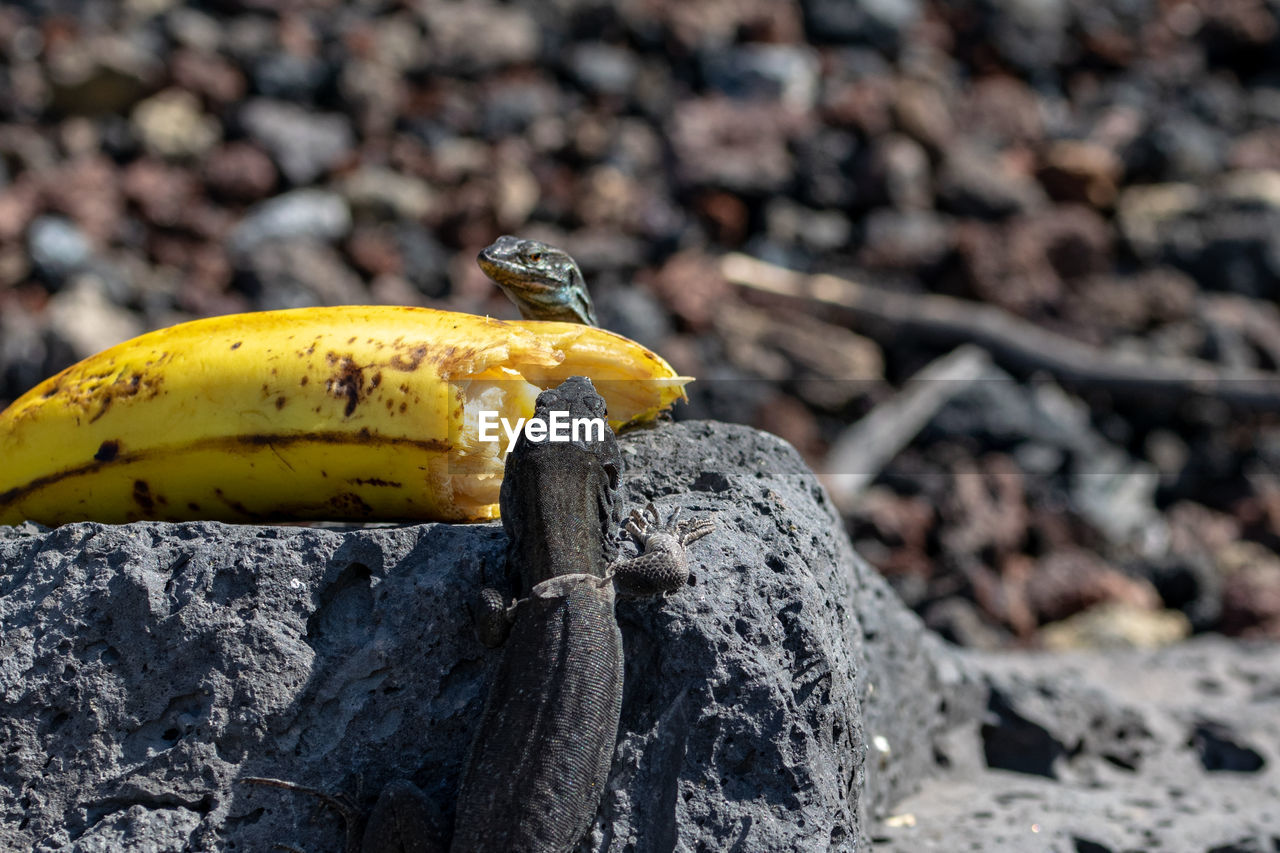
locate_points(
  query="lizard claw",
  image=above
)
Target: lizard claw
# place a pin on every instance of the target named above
(691, 530)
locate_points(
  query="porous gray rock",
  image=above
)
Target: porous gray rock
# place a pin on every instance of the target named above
(151, 667)
(1171, 750)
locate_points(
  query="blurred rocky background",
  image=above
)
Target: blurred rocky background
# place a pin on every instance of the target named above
(1087, 191)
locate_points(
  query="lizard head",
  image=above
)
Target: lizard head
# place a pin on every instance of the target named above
(544, 282)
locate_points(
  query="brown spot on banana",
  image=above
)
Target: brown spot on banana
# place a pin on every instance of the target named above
(142, 496)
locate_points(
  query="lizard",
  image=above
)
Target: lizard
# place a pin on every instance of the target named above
(544, 743)
(543, 281)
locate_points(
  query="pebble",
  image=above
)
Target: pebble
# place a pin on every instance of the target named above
(319, 215)
(602, 68)
(287, 77)
(240, 172)
(877, 22)
(172, 124)
(479, 36)
(786, 73)
(57, 248)
(975, 182)
(381, 193)
(86, 318)
(740, 147)
(298, 273)
(1116, 626)
(304, 144)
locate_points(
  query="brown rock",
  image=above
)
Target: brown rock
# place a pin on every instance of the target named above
(741, 147)
(1258, 149)
(240, 171)
(1083, 172)
(208, 75)
(19, 204)
(374, 251)
(1067, 582)
(922, 111)
(87, 190)
(1003, 109)
(164, 194)
(1251, 590)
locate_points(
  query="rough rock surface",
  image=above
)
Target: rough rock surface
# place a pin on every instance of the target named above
(1170, 750)
(149, 668)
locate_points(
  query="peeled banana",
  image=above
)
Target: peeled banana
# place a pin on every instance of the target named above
(348, 413)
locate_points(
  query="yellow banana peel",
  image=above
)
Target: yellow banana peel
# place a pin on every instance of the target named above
(364, 413)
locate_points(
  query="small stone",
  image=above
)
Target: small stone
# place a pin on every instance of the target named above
(374, 252)
(1251, 590)
(825, 160)
(288, 77)
(381, 193)
(1117, 626)
(818, 230)
(1002, 110)
(480, 36)
(878, 22)
(18, 205)
(87, 189)
(906, 240)
(99, 76)
(922, 111)
(510, 108)
(194, 29)
(1257, 149)
(1179, 147)
(319, 215)
(976, 182)
(304, 144)
(57, 248)
(1142, 212)
(424, 260)
(786, 73)
(165, 194)
(902, 165)
(1081, 172)
(83, 316)
(172, 124)
(298, 273)
(240, 171)
(603, 68)
(738, 147)
(208, 75)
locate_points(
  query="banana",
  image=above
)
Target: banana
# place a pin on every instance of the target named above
(348, 413)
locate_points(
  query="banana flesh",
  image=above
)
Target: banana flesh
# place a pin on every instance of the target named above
(346, 413)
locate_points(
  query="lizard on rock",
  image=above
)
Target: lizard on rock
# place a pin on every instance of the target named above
(544, 743)
(544, 282)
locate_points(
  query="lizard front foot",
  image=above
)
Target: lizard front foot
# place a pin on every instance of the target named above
(663, 563)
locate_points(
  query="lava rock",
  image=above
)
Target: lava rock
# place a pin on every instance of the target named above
(304, 144)
(57, 248)
(1185, 736)
(315, 214)
(157, 665)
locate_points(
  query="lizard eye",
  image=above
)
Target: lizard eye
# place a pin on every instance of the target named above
(534, 257)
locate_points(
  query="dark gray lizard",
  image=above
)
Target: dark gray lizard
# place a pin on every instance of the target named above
(544, 743)
(544, 282)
